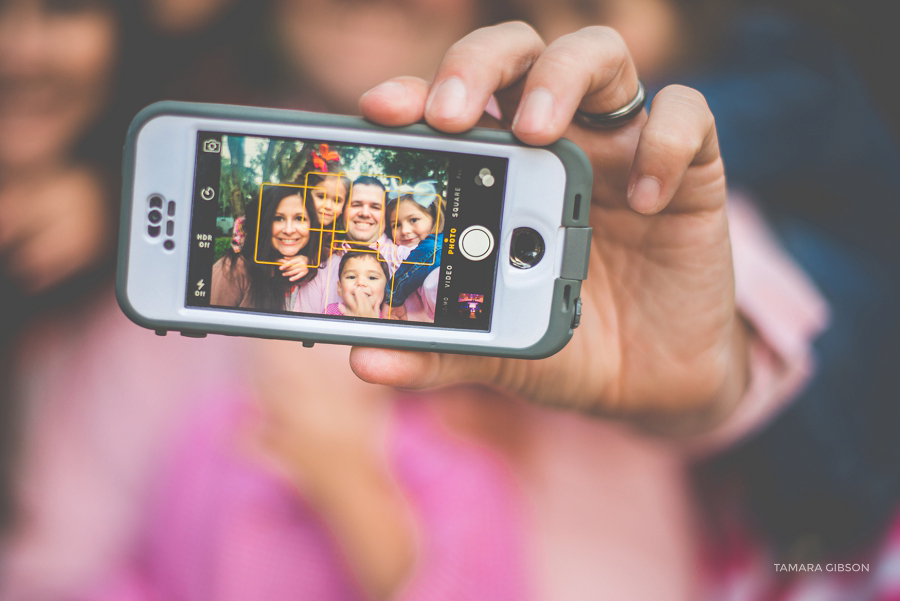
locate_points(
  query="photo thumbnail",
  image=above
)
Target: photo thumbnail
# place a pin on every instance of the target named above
(471, 305)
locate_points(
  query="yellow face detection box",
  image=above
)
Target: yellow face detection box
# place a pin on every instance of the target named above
(338, 240)
(259, 211)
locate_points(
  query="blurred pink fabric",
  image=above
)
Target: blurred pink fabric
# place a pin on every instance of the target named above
(603, 510)
(101, 396)
(226, 529)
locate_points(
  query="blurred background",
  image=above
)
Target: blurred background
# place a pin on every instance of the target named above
(94, 412)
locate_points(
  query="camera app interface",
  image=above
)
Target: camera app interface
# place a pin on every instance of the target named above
(341, 231)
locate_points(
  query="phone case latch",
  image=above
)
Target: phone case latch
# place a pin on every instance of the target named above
(576, 253)
(576, 318)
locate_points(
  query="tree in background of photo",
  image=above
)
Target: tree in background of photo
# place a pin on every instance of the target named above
(409, 165)
(248, 162)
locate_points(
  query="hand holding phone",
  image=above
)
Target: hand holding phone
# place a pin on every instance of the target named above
(660, 332)
(324, 228)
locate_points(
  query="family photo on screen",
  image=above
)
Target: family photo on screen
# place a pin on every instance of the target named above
(328, 229)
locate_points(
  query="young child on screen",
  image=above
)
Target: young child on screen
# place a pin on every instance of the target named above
(361, 283)
(415, 220)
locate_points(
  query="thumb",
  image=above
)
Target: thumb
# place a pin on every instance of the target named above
(414, 369)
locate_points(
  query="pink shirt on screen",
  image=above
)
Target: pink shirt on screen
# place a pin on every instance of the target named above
(338, 309)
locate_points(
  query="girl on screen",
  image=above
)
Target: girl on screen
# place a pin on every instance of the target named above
(415, 218)
(246, 276)
(330, 188)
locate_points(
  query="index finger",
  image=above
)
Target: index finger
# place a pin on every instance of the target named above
(590, 69)
(483, 62)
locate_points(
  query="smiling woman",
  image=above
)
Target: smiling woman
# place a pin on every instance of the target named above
(266, 269)
(290, 227)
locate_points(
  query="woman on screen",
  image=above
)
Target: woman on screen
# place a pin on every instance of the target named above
(265, 271)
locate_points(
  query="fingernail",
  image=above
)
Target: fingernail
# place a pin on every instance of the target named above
(448, 100)
(535, 113)
(644, 195)
(388, 88)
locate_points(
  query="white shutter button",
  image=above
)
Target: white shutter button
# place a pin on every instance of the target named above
(476, 242)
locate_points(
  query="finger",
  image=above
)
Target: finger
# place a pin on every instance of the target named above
(411, 369)
(483, 62)
(373, 305)
(398, 101)
(679, 134)
(590, 69)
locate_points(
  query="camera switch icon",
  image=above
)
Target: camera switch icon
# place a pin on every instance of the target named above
(485, 178)
(207, 193)
(213, 146)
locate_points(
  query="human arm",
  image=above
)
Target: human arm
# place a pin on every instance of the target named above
(294, 268)
(660, 334)
(415, 268)
(311, 296)
(335, 453)
(230, 284)
(398, 313)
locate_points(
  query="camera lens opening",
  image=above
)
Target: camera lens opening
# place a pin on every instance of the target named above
(526, 248)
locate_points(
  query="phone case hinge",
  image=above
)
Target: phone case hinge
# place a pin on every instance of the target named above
(576, 253)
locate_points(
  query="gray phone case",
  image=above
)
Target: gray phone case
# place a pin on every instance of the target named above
(566, 289)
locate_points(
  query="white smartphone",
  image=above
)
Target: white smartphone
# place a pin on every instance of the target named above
(323, 228)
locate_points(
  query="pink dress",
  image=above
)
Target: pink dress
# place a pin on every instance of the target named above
(224, 528)
(102, 398)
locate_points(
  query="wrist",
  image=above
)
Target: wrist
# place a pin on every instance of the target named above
(717, 409)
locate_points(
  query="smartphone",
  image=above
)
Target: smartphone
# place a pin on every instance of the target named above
(393, 237)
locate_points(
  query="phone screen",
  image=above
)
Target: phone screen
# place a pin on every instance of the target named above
(342, 231)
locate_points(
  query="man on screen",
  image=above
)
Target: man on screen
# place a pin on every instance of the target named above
(365, 211)
(364, 217)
